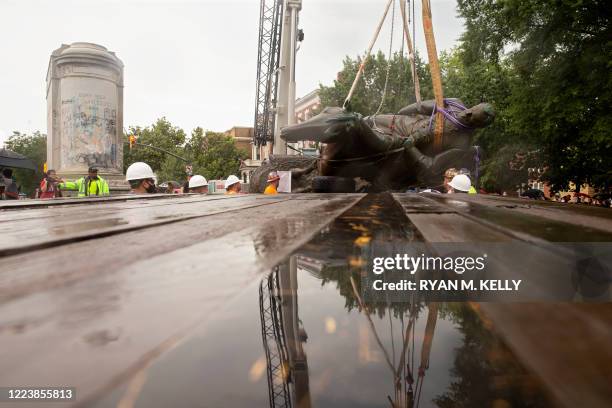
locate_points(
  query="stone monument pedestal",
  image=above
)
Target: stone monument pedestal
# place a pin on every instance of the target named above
(85, 113)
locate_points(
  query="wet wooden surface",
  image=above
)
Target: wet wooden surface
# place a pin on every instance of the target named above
(92, 291)
(567, 345)
(38, 228)
(105, 306)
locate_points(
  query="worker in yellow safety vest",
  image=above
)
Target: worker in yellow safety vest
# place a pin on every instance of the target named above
(472, 189)
(459, 184)
(92, 185)
(273, 181)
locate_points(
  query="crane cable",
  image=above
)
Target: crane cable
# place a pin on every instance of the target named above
(434, 68)
(411, 58)
(390, 57)
(369, 50)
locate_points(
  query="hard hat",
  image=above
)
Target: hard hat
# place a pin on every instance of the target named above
(197, 181)
(273, 176)
(461, 182)
(231, 180)
(139, 171)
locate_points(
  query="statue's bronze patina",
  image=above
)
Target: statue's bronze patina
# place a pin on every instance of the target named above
(389, 151)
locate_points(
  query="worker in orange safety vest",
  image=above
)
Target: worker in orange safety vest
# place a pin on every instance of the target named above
(273, 181)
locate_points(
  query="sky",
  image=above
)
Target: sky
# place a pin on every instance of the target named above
(192, 61)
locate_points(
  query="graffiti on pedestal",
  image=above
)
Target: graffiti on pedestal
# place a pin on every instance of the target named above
(89, 128)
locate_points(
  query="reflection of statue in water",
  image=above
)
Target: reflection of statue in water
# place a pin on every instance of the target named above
(390, 151)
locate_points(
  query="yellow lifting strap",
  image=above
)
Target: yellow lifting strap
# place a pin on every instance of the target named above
(434, 68)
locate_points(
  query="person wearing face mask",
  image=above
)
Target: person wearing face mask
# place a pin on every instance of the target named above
(141, 178)
(91, 185)
(49, 186)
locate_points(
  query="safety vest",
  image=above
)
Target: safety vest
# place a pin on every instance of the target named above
(270, 190)
(87, 187)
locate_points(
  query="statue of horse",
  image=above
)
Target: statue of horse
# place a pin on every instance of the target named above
(393, 151)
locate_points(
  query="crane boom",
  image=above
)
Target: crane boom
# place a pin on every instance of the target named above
(268, 55)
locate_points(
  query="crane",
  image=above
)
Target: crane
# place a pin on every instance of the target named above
(275, 87)
(274, 341)
(268, 54)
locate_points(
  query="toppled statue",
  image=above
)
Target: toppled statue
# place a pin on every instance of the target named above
(384, 152)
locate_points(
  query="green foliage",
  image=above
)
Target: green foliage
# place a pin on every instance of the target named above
(480, 359)
(161, 135)
(557, 56)
(545, 67)
(214, 155)
(370, 88)
(34, 147)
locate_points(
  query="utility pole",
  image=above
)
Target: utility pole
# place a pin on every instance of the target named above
(285, 108)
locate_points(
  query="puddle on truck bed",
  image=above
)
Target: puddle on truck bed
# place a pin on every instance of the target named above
(299, 338)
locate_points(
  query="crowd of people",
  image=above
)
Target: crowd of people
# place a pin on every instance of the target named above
(142, 180)
(454, 182)
(139, 176)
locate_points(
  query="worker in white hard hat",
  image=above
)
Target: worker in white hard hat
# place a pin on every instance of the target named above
(467, 173)
(141, 178)
(198, 184)
(459, 184)
(273, 181)
(232, 185)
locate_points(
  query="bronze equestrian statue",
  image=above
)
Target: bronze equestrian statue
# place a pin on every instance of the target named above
(384, 152)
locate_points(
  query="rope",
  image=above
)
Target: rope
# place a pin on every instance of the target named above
(415, 76)
(369, 50)
(476, 164)
(294, 149)
(450, 113)
(388, 152)
(382, 99)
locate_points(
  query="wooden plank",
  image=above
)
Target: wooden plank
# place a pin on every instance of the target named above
(86, 221)
(566, 344)
(569, 208)
(23, 204)
(576, 214)
(105, 206)
(525, 225)
(418, 203)
(90, 314)
(441, 223)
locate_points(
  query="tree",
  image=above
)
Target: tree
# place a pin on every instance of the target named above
(559, 55)
(370, 88)
(214, 155)
(34, 147)
(162, 134)
(544, 65)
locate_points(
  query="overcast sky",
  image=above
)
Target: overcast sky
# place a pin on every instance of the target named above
(193, 61)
